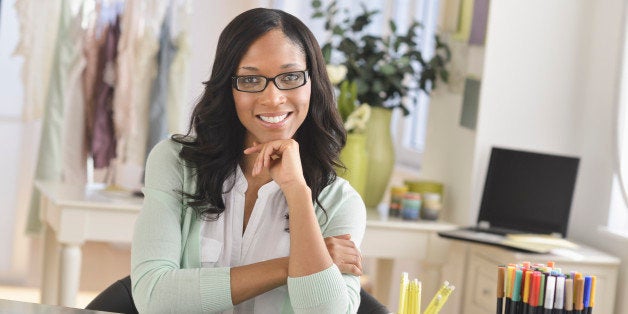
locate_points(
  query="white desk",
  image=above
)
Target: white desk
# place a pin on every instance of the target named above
(396, 239)
(73, 214)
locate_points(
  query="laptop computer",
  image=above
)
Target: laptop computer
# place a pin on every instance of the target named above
(524, 192)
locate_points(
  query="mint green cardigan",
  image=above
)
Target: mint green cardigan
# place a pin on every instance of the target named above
(166, 270)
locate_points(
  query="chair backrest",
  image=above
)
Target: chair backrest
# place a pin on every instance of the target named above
(118, 298)
(370, 305)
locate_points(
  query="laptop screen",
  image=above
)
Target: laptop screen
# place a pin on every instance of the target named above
(528, 192)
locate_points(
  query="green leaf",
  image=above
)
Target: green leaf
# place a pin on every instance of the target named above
(444, 74)
(388, 69)
(393, 26)
(326, 52)
(377, 87)
(316, 4)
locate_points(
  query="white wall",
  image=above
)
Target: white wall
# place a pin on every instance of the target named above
(16, 138)
(549, 84)
(207, 21)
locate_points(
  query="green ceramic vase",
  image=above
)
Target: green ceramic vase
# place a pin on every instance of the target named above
(354, 157)
(381, 155)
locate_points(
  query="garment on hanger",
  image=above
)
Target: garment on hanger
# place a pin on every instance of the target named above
(74, 149)
(157, 124)
(103, 140)
(66, 63)
(38, 24)
(132, 155)
(178, 69)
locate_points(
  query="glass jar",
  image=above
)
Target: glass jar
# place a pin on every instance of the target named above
(411, 206)
(396, 199)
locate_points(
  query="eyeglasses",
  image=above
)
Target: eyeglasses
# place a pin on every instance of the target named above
(258, 83)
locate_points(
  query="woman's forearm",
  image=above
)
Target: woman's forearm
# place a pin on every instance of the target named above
(308, 252)
(252, 280)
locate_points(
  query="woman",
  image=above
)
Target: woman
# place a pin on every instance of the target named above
(247, 213)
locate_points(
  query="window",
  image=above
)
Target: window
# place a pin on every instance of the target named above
(618, 212)
(408, 132)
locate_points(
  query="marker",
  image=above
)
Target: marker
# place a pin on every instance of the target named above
(500, 289)
(541, 294)
(579, 294)
(534, 291)
(526, 291)
(559, 296)
(516, 293)
(586, 296)
(592, 303)
(569, 296)
(510, 278)
(549, 295)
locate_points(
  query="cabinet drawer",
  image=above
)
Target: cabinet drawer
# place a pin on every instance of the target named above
(481, 286)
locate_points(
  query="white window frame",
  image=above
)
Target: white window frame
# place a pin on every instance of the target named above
(618, 210)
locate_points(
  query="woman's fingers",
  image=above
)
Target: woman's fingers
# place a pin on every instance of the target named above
(345, 254)
(280, 157)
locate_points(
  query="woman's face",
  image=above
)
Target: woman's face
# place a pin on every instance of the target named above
(272, 114)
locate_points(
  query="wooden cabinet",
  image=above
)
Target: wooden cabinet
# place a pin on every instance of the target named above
(479, 289)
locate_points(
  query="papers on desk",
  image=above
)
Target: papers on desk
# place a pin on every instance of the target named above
(539, 243)
(535, 243)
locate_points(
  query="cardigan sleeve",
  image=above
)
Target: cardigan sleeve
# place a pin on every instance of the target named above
(159, 284)
(330, 291)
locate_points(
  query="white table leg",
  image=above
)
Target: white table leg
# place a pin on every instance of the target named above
(50, 267)
(70, 274)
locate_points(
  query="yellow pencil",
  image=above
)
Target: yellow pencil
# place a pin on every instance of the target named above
(403, 293)
(418, 299)
(439, 299)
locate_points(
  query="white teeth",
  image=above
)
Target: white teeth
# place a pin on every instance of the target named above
(275, 119)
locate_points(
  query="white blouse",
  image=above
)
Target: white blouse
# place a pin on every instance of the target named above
(224, 245)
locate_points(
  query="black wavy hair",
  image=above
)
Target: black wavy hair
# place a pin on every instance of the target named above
(214, 143)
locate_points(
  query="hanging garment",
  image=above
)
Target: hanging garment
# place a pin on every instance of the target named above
(66, 63)
(38, 24)
(91, 48)
(74, 150)
(126, 175)
(157, 124)
(177, 81)
(146, 46)
(103, 140)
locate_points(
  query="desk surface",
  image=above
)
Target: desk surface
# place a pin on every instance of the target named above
(69, 195)
(9, 306)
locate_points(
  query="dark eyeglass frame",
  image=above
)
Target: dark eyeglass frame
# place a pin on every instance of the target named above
(234, 81)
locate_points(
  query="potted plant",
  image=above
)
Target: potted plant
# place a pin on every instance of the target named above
(353, 156)
(388, 71)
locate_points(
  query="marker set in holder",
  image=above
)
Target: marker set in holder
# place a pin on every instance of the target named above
(543, 289)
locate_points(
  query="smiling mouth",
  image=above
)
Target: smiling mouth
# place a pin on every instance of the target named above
(274, 119)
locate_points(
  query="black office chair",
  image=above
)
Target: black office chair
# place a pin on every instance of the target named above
(117, 298)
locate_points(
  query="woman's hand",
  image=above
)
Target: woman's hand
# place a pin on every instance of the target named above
(281, 158)
(344, 254)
